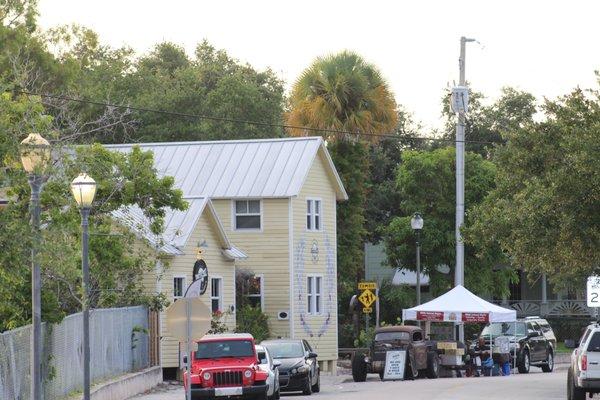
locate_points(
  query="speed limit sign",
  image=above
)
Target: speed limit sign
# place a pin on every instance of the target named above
(593, 291)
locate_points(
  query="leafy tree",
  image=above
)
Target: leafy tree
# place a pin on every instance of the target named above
(486, 125)
(116, 264)
(384, 159)
(545, 210)
(425, 182)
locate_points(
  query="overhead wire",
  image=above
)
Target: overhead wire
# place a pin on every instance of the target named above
(248, 122)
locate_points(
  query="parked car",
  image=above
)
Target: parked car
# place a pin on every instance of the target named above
(270, 366)
(584, 372)
(226, 365)
(299, 369)
(422, 356)
(532, 340)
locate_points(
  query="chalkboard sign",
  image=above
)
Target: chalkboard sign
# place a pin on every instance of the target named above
(395, 362)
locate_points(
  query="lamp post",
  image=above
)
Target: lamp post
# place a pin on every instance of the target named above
(416, 222)
(84, 189)
(35, 154)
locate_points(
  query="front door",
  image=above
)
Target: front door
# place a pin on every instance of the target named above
(419, 349)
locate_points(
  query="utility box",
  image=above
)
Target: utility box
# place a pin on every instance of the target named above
(459, 101)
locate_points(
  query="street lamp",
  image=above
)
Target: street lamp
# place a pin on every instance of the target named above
(416, 222)
(35, 155)
(84, 189)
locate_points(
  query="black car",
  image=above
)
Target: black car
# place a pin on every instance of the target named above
(299, 369)
(535, 342)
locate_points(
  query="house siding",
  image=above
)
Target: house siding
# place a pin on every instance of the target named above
(218, 266)
(267, 252)
(319, 330)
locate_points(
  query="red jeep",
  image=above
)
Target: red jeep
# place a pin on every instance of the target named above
(226, 366)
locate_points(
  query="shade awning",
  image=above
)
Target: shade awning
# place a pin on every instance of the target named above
(233, 253)
(459, 305)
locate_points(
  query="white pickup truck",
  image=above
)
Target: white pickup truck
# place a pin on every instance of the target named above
(584, 373)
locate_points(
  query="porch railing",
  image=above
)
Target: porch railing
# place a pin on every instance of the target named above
(550, 308)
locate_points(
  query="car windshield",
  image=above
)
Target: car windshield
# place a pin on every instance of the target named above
(225, 348)
(504, 329)
(391, 336)
(286, 350)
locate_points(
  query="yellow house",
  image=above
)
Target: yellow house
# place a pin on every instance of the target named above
(276, 200)
(185, 232)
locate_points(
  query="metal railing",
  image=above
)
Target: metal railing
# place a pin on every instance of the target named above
(549, 308)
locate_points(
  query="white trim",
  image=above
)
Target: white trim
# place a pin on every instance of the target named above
(234, 313)
(183, 286)
(313, 214)
(159, 144)
(234, 214)
(220, 297)
(313, 312)
(335, 242)
(291, 264)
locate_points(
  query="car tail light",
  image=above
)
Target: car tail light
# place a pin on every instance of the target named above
(584, 362)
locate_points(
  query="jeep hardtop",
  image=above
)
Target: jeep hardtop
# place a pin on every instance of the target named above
(226, 366)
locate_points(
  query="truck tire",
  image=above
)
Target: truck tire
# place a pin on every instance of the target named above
(359, 368)
(549, 365)
(525, 363)
(433, 365)
(573, 392)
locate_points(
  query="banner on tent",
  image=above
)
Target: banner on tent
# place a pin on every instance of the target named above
(439, 316)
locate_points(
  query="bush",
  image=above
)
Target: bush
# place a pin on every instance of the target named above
(216, 323)
(253, 321)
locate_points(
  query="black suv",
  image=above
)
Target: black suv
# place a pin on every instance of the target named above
(535, 342)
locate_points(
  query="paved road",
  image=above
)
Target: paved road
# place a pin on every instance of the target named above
(533, 386)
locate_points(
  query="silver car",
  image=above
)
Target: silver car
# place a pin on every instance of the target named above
(267, 364)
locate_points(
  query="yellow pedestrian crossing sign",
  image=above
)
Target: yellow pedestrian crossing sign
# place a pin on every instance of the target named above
(367, 298)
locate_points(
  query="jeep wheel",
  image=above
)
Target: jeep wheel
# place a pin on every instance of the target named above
(573, 392)
(525, 363)
(359, 368)
(549, 365)
(433, 365)
(308, 387)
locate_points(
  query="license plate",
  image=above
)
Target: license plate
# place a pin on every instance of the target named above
(229, 391)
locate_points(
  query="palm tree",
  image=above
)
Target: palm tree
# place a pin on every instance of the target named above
(342, 92)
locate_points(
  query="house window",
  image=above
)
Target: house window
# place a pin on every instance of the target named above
(313, 294)
(313, 215)
(216, 290)
(254, 291)
(247, 214)
(178, 286)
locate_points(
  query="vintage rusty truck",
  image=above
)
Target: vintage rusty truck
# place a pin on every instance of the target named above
(422, 357)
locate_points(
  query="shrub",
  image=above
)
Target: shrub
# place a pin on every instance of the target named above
(253, 321)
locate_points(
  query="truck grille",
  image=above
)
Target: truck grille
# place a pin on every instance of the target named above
(228, 378)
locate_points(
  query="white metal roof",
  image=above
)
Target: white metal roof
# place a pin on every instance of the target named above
(178, 227)
(259, 168)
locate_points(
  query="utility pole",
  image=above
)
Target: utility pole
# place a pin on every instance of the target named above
(459, 272)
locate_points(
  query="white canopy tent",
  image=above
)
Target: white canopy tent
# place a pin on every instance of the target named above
(461, 306)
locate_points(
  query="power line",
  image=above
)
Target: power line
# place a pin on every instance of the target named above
(247, 122)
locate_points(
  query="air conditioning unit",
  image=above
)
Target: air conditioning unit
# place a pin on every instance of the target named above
(283, 315)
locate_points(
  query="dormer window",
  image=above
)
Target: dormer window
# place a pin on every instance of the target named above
(247, 215)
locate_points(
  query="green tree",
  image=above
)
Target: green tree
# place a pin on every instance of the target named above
(486, 124)
(425, 182)
(116, 264)
(344, 92)
(545, 210)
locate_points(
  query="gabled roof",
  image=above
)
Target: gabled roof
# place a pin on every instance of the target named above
(178, 227)
(261, 168)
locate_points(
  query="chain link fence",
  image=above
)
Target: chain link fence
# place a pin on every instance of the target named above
(118, 344)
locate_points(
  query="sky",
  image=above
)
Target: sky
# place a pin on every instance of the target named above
(544, 47)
